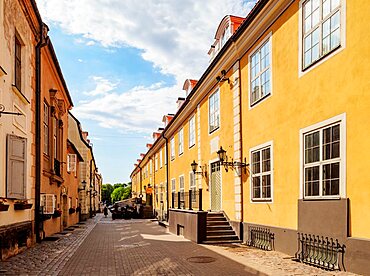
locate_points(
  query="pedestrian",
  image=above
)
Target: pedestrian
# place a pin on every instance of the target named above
(105, 211)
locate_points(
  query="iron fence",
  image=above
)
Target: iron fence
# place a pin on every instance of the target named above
(261, 238)
(187, 200)
(320, 252)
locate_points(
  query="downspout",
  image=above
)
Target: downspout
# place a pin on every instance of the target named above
(167, 174)
(43, 41)
(140, 178)
(241, 143)
(90, 209)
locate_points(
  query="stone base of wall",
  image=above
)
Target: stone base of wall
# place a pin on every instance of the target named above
(84, 217)
(15, 238)
(190, 224)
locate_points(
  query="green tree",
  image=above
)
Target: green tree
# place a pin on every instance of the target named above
(107, 190)
(121, 192)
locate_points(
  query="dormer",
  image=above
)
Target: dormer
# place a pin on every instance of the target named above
(189, 85)
(229, 24)
(167, 119)
(156, 135)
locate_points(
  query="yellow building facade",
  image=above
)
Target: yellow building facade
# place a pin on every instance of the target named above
(285, 97)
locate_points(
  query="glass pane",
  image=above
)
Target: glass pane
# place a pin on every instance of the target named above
(334, 21)
(256, 187)
(307, 42)
(307, 58)
(335, 133)
(326, 45)
(315, 17)
(315, 52)
(335, 39)
(315, 4)
(326, 28)
(307, 8)
(315, 154)
(335, 151)
(334, 187)
(315, 37)
(334, 4)
(326, 138)
(325, 8)
(316, 138)
(307, 24)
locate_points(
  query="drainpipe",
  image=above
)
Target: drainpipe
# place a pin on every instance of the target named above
(43, 41)
(140, 178)
(167, 173)
(241, 143)
(90, 209)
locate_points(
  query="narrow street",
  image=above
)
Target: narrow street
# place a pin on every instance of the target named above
(102, 246)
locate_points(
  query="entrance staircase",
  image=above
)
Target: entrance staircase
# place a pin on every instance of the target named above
(219, 230)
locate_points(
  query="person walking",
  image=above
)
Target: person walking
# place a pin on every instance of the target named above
(105, 211)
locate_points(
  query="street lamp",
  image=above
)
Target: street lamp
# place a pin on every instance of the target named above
(194, 167)
(222, 157)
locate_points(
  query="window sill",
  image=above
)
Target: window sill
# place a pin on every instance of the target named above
(192, 146)
(214, 130)
(322, 198)
(20, 94)
(304, 69)
(2, 72)
(260, 100)
(261, 200)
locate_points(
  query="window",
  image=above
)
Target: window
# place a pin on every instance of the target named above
(192, 131)
(161, 195)
(322, 161)
(46, 129)
(261, 174)
(181, 141)
(156, 162)
(72, 163)
(172, 148)
(18, 64)
(151, 166)
(173, 185)
(260, 74)
(48, 203)
(192, 186)
(69, 203)
(55, 138)
(165, 155)
(16, 167)
(182, 191)
(214, 111)
(321, 29)
(160, 158)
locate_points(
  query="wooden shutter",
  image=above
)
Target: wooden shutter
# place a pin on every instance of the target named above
(16, 167)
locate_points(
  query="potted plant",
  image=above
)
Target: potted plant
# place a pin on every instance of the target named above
(57, 213)
(3, 206)
(71, 210)
(22, 204)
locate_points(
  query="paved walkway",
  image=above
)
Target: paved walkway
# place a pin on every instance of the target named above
(141, 247)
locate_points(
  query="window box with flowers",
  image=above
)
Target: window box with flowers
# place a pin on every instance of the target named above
(22, 205)
(57, 213)
(71, 210)
(3, 207)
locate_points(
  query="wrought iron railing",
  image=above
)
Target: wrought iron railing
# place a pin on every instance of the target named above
(187, 200)
(260, 238)
(320, 252)
(57, 167)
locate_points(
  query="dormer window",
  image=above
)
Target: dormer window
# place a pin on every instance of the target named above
(225, 36)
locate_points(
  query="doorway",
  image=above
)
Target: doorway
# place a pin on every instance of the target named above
(215, 186)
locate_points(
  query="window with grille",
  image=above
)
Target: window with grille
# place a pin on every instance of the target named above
(260, 73)
(48, 203)
(214, 111)
(172, 148)
(321, 29)
(261, 174)
(18, 64)
(192, 131)
(46, 128)
(181, 141)
(322, 162)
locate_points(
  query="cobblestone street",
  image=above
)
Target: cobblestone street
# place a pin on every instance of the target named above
(142, 247)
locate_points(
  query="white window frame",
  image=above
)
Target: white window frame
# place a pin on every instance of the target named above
(181, 141)
(48, 203)
(172, 144)
(192, 131)
(192, 185)
(267, 39)
(341, 119)
(156, 162)
(46, 127)
(72, 163)
(271, 172)
(160, 158)
(303, 70)
(215, 114)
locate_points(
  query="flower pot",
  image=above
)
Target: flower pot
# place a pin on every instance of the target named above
(22, 206)
(71, 210)
(57, 214)
(4, 207)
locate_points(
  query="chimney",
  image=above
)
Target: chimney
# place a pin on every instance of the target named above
(156, 135)
(179, 102)
(85, 134)
(142, 155)
(148, 146)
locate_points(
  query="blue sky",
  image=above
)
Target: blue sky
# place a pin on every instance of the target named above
(125, 65)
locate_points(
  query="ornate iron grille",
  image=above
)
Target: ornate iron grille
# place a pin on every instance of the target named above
(261, 238)
(320, 252)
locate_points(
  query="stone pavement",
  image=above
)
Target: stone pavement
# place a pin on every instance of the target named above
(141, 247)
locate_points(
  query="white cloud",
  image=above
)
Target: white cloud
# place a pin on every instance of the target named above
(174, 36)
(103, 86)
(137, 110)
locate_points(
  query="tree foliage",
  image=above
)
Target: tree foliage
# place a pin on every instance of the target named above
(121, 191)
(107, 190)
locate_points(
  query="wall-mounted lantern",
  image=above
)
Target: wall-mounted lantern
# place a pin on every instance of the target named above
(194, 167)
(233, 164)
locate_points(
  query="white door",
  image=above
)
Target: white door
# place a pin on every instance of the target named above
(215, 186)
